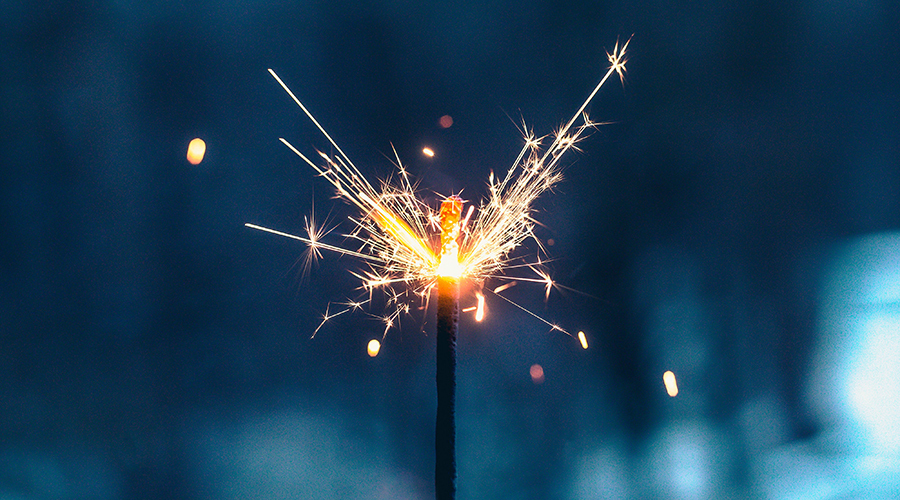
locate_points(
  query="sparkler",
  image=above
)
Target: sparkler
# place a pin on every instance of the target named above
(410, 249)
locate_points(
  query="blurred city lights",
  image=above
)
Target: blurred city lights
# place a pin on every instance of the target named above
(373, 347)
(537, 373)
(196, 150)
(671, 385)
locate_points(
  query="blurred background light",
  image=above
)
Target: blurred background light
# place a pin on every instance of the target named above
(196, 150)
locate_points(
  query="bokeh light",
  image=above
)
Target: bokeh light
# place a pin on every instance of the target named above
(196, 151)
(373, 348)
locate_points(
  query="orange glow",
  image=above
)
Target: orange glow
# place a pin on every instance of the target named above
(537, 373)
(446, 121)
(671, 385)
(373, 348)
(428, 152)
(479, 311)
(583, 340)
(196, 150)
(504, 286)
(451, 209)
(399, 230)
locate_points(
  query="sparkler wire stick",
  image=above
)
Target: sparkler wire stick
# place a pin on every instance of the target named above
(445, 371)
(445, 423)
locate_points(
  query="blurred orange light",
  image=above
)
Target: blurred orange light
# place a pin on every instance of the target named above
(537, 373)
(583, 340)
(373, 348)
(196, 150)
(446, 121)
(671, 385)
(428, 152)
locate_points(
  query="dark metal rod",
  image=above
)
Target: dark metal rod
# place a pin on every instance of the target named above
(445, 425)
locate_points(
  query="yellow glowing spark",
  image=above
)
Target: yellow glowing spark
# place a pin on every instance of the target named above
(428, 152)
(451, 209)
(479, 309)
(407, 244)
(373, 347)
(537, 373)
(583, 340)
(671, 385)
(196, 150)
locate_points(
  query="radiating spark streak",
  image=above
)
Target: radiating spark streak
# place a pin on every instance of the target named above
(325, 318)
(552, 326)
(397, 233)
(314, 244)
(505, 286)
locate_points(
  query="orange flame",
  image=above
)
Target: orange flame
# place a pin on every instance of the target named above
(451, 209)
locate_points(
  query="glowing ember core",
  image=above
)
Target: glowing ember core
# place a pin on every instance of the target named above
(451, 209)
(583, 340)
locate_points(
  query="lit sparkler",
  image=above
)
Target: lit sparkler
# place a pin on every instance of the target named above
(410, 249)
(398, 235)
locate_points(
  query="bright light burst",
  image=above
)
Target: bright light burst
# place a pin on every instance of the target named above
(399, 236)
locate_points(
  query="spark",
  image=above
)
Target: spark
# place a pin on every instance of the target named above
(479, 309)
(196, 150)
(671, 384)
(326, 317)
(407, 244)
(373, 347)
(428, 152)
(583, 340)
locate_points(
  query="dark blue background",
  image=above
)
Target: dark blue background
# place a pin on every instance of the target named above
(153, 347)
